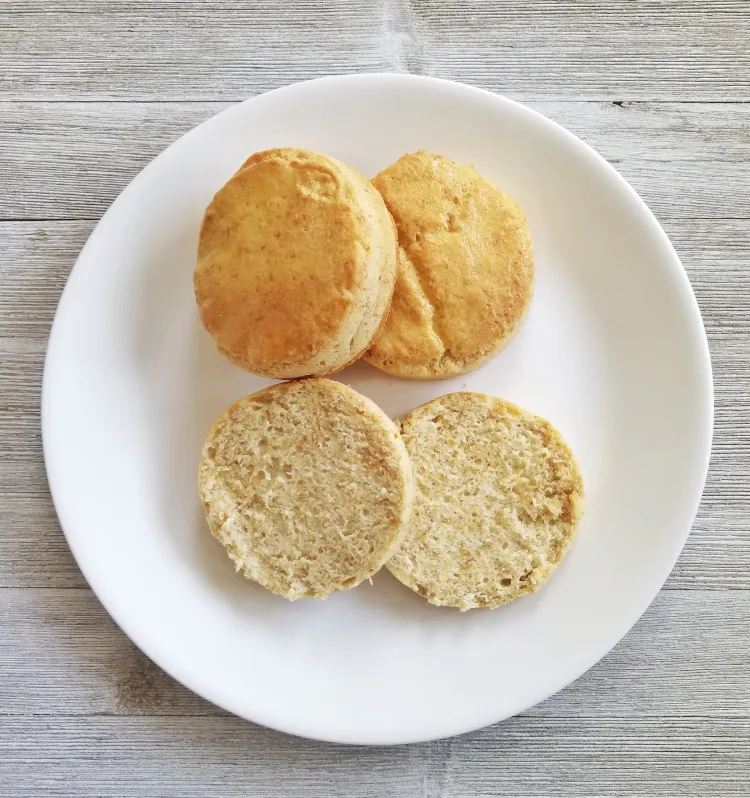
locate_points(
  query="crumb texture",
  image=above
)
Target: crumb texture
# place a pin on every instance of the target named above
(308, 486)
(499, 495)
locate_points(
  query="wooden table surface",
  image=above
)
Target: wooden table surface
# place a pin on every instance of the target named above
(90, 91)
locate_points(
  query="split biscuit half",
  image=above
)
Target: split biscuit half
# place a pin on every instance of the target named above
(499, 496)
(308, 486)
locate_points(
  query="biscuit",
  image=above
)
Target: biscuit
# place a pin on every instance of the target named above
(499, 495)
(465, 269)
(296, 265)
(308, 486)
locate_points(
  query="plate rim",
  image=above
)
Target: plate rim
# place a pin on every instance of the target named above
(610, 640)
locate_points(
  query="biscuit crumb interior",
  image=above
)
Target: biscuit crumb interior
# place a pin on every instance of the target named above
(306, 487)
(499, 495)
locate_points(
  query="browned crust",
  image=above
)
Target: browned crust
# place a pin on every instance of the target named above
(467, 261)
(446, 366)
(380, 327)
(283, 262)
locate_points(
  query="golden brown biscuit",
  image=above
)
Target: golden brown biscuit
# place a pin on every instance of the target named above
(296, 265)
(308, 486)
(499, 496)
(466, 269)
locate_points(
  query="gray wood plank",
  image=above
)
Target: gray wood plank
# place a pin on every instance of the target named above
(71, 160)
(523, 757)
(686, 12)
(82, 712)
(61, 654)
(35, 259)
(532, 49)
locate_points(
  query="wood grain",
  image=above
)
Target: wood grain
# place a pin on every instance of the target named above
(35, 259)
(71, 160)
(192, 757)
(90, 91)
(535, 49)
(60, 653)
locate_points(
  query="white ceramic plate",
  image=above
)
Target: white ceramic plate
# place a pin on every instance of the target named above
(613, 353)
